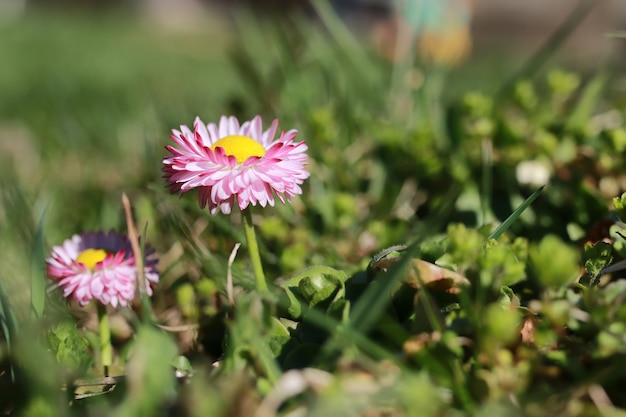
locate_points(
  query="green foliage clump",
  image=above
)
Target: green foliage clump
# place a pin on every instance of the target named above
(554, 263)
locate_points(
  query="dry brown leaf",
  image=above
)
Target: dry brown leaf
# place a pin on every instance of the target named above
(434, 277)
(527, 332)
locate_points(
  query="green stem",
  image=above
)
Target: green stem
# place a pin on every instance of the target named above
(106, 350)
(253, 248)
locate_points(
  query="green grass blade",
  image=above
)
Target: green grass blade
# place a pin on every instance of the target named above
(588, 101)
(486, 179)
(376, 298)
(335, 26)
(148, 314)
(7, 316)
(7, 322)
(37, 273)
(346, 41)
(346, 334)
(17, 208)
(552, 44)
(373, 302)
(514, 216)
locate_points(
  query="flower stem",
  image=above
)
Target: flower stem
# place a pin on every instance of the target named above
(253, 248)
(106, 350)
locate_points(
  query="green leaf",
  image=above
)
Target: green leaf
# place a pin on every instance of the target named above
(294, 307)
(501, 264)
(554, 262)
(314, 284)
(277, 336)
(70, 347)
(182, 365)
(562, 83)
(502, 324)
(340, 309)
(620, 206)
(595, 258)
(315, 271)
(319, 288)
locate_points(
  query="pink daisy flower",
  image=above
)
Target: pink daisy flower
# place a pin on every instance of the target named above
(229, 162)
(101, 266)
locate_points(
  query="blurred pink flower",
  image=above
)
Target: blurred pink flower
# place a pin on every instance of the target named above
(101, 266)
(230, 160)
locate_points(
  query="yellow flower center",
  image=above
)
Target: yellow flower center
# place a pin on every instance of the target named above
(241, 147)
(90, 257)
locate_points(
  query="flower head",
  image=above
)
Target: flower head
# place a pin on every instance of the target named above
(101, 266)
(231, 161)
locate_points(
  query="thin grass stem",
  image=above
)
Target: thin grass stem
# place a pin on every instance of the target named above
(106, 349)
(515, 215)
